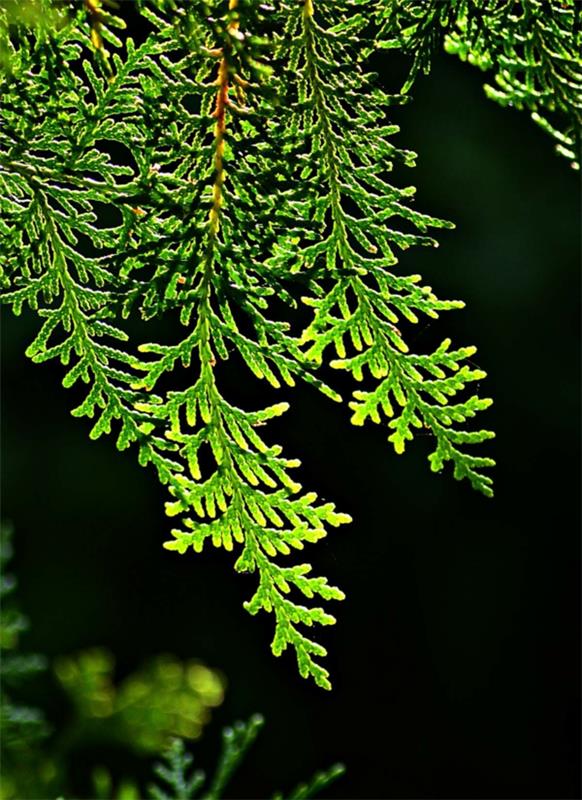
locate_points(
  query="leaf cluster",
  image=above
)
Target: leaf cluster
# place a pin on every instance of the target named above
(532, 48)
(180, 783)
(230, 171)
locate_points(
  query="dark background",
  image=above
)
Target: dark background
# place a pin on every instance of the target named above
(455, 659)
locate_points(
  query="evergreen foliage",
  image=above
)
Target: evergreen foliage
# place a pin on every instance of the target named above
(182, 784)
(533, 48)
(229, 166)
(20, 725)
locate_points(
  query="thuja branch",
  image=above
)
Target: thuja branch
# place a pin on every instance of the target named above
(362, 302)
(255, 148)
(243, 494)
(530, 48)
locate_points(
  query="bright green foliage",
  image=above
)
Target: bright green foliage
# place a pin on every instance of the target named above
(534, 48)
(180, 784)
(537, 55)
(232, 164)
(361, 302)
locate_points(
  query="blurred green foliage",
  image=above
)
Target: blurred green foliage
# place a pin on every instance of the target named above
(21, 726)
(165, 698)
(38, 15)
(151, 711)
(175, 780)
